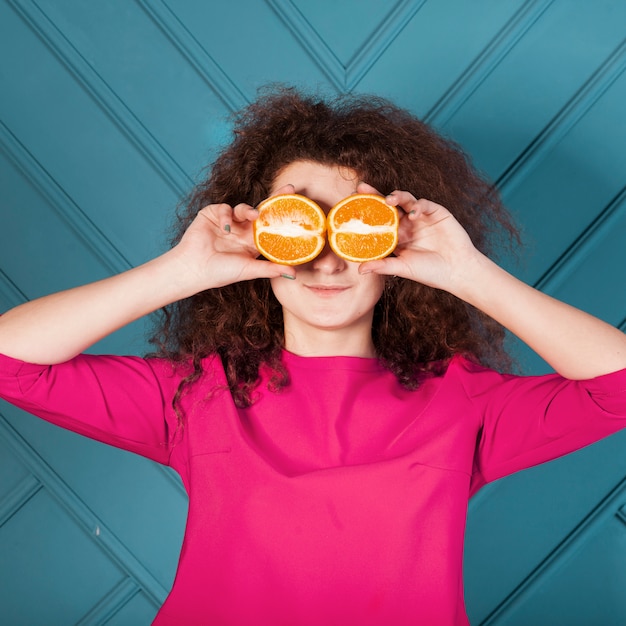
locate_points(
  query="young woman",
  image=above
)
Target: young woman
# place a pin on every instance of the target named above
(331, 420)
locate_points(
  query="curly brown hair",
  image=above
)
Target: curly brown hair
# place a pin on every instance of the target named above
(415, 328)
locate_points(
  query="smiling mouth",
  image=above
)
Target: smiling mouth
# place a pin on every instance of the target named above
(326, 290)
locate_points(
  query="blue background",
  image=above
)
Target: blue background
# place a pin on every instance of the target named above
(108, 113)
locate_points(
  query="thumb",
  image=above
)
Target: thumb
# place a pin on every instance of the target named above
(259, 268)
(389, 266)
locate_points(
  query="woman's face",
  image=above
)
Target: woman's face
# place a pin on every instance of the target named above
(328, 308)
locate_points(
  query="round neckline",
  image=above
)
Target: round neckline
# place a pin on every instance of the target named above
(363, 364)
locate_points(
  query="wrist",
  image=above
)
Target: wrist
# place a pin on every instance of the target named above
(171, 276)
(475, 278)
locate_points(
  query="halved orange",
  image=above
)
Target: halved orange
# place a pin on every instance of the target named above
(290, 229)
(363, 227)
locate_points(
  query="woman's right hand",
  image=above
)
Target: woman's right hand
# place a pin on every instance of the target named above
(218, 248)
(56, 327)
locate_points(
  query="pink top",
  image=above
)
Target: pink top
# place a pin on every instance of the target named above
(340, 500)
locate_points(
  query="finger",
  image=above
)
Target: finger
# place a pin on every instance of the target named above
(406, 228)
(244, 213)
(223, 215)
(405, 201)
(363, 187)
(389, 266)
(413, 206)
(209, 216)
(282, 190)
(266, 269)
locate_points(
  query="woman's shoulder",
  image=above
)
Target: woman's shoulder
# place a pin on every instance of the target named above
(180, 366)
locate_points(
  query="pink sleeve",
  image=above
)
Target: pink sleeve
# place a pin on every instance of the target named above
(528, 420)
(121, 401)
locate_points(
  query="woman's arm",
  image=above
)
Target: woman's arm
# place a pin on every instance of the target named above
(55, 328)
(576, 344)
(435, 250)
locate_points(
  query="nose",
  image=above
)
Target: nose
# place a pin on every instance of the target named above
(328, 262)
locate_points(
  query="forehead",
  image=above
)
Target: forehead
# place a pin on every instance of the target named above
(317, 181)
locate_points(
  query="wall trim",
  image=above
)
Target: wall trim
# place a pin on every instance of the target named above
(573, 111)
(15, 499)
(93, 526)
(103, 95)
(605, 510)
(345, 78)
(111, 604)
(63, 205)
(486, 62)
(10, 292)
(373, 48)
(202, 62)
(603, 224)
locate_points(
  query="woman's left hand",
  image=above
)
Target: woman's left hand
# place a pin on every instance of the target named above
(433, 248)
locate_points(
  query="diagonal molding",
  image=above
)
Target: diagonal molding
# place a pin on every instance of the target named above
(197, 56)
(104, 95)
(311, 42)
(10, 293)
(374, 47)
(604, 224)
(345, 78)
(111, 604)
(13, 501)
(573, 111)
(72, 215)
(61, 202)
(84, 517)
(604, 511)
(621, 515)
(486, 62)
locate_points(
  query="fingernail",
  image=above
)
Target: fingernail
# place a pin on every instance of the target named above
(227, 227)
(288, 276)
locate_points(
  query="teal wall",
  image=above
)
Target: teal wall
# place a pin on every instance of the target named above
(108, 112)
